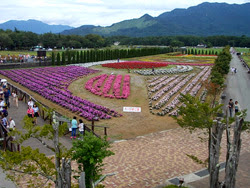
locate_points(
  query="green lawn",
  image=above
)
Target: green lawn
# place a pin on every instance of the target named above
(246, 54)
(246, 59)
(244, 50)
(218, 50)
(16, 53)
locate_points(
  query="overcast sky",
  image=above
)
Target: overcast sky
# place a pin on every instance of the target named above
(91, 12)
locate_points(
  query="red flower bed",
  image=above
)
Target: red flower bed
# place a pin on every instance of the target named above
(135, 65)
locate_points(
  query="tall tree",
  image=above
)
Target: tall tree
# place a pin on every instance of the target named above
(53, 58)
(58, 59)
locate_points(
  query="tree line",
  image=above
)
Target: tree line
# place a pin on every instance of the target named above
(72, 57)
(178, 41)
(22, 40)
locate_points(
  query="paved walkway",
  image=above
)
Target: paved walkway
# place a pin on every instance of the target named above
(238, 85)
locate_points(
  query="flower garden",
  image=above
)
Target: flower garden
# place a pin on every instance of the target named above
(52, 83)
(162, 90)
(110, 86)
(135, 65)
(92, 92)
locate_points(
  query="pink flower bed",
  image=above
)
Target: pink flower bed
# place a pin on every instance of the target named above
(109, 86)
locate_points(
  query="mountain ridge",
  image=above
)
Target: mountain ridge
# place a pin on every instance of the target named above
(205, 19)
(34, 26)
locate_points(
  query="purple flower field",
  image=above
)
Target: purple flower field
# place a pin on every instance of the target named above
(52, 83)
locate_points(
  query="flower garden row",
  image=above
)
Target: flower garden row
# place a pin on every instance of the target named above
(109, 86)
(162, 89)
(173, 70)
(135, 65)
(52, 83)
(146, 65)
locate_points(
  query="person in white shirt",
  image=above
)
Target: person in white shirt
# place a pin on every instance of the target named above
(36, 113)
(15, 98)
(12, 124)
(30, 103)
(81, 127)
(1, 104)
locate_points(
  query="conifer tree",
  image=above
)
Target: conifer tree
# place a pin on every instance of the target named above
(53, 59)
(58, 59)
(63, 58)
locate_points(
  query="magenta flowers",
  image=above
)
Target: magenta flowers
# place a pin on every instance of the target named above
(52, 83)
(110, 86)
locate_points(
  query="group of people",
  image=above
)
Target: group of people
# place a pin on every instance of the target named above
(8, 123)
(75, 125)
(233, 70)
(33, 111)
(233, 106)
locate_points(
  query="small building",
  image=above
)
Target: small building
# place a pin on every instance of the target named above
(201, 46)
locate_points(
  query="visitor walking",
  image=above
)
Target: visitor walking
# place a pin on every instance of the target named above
(30, 103)
(236, 107)
(6, 97)
(36, 113)
(81, 126)
(230, 107)
(73, 127)
(4, 121)
(235, 70)
(30, 112)
(15, 98)
(2, 104)
(232, 70)
(12, 124)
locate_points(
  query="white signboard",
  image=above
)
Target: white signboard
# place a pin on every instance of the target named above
(131, 109)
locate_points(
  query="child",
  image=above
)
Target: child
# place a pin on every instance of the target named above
(236, 107)
(81, 126)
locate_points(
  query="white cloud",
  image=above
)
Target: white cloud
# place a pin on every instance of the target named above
(91, 12)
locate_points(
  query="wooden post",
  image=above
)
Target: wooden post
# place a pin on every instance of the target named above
(4, 143)
(82, 180)
(105, 131)
(11, 147)
(93, 125)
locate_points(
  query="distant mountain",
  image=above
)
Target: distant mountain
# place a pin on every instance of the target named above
(34, 26)
(205, 19)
